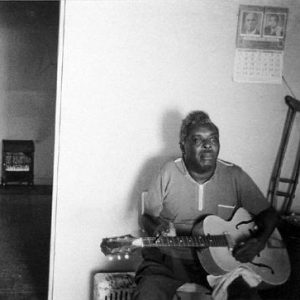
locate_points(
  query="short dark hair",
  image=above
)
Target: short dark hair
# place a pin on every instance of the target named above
(197, 117)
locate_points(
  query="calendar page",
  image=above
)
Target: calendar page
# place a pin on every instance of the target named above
(260, 44)
(258, 66)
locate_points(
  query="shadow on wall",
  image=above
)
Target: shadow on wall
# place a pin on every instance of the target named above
(171, 123)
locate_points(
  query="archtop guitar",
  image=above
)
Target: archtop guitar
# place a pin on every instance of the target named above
(214, 240)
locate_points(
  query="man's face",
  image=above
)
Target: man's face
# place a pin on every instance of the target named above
(273, 22)
(251, 22)
(201, 148)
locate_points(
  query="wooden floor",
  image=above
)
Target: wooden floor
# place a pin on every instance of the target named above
(25, 218)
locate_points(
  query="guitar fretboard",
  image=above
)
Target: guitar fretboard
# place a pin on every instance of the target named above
(186, 241)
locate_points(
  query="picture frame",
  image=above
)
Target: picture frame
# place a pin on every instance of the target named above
(251, 23)
(274, 24)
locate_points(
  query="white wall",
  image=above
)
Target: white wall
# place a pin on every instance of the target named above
(131, 71)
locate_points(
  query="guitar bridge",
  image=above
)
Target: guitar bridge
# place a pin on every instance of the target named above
(230, 242)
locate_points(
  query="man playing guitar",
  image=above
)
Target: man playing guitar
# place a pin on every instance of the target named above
(194, 186)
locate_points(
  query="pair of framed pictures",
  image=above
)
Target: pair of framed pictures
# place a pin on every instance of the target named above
(262, 27)
(269, 24)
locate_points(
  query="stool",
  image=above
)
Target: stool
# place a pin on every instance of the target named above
(121, 285)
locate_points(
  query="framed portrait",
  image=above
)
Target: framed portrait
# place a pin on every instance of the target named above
(251, 23)
(274, 24)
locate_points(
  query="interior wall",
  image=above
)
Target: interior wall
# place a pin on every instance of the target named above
(28, 58)
(131, 70)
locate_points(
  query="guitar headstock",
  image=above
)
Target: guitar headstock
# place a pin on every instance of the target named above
(120, 246)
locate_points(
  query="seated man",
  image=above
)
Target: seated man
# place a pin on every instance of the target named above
(186, 189)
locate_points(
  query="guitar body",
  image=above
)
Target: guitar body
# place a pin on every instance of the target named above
(219, 260)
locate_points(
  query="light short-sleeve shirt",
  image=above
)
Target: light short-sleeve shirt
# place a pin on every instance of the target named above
(175, 196)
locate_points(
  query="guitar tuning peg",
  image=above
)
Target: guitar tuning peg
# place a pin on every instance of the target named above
(110, 257)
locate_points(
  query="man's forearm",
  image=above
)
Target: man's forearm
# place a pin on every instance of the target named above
(266, 222)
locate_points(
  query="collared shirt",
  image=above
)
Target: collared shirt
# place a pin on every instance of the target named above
(175, 196)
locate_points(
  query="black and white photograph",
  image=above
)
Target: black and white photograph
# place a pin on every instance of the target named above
(274, 25)
(251, 23)
(149, 150)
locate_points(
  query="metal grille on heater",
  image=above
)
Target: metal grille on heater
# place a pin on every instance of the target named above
(114, 286)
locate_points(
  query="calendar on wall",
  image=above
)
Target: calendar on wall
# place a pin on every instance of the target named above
(260, 44)
(258, 66)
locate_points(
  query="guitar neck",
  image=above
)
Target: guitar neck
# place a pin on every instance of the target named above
(200, 241)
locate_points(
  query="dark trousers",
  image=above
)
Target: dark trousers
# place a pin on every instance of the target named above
(159, 276)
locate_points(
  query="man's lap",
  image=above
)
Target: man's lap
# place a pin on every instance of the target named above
(159, 276)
